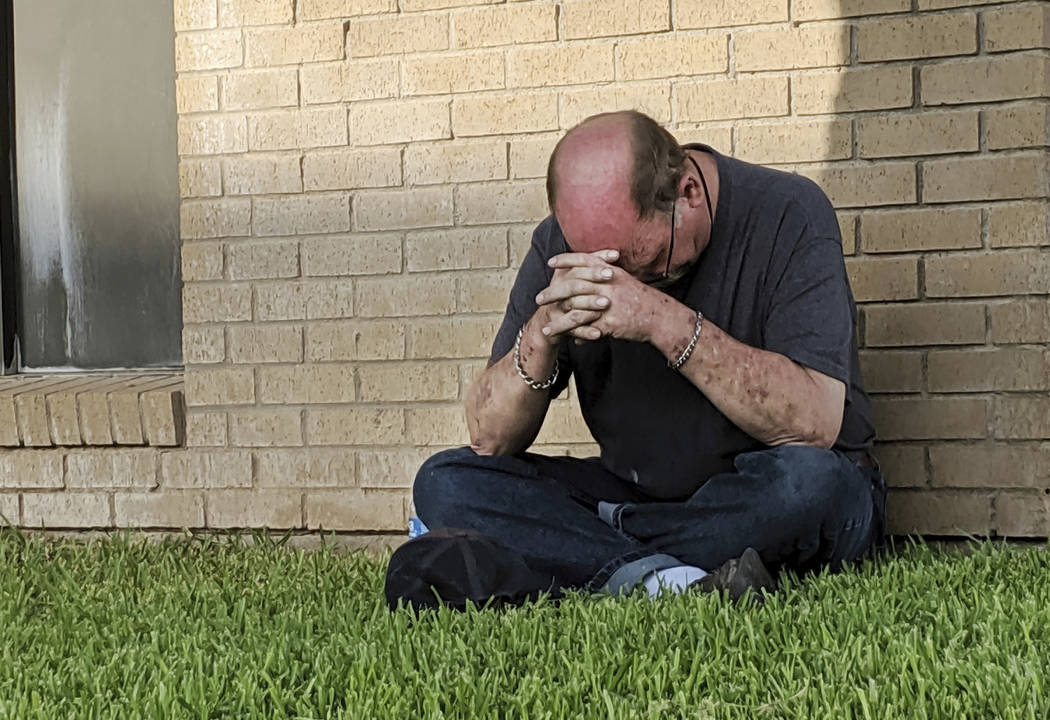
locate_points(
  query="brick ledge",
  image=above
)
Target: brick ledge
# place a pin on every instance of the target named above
(92, 409)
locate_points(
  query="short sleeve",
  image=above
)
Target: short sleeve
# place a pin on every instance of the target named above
(811, 315)
(533, 276)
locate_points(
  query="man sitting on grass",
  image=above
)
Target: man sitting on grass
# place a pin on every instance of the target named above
(702, 305)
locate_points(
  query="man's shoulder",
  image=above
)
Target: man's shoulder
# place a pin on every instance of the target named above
(782, 193)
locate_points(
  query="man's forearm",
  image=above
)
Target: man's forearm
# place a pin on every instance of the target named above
(503, 413)
(764, 393)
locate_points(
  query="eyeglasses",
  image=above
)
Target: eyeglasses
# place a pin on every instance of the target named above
(674, 205)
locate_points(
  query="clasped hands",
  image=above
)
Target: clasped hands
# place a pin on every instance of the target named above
(589, 297)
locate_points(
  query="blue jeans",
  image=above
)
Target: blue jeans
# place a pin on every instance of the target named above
(801, 508)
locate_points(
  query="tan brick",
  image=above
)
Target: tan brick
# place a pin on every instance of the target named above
(848, 230)
(31, 469)
(201, 261)
(599, 18)
(305, 468)
(206, 469)
(313, 213)
(62, 418)
(720, 137)
(259, 260)
(447, 162)
(260, 174)
(564, 424)
(827, 9)
(212, 134)
(408, 382)
(378, 254)
(924, 324)
(216, 303)
(346, 169)
(543, 66)
(159, 510)
(206, 429)
(1005, 272)
(220, 386)
(307, 42)
(902, 465)
(200, 178)
(672, 56)
(265, 343)
(291, 129)
(356, 510)
(208, 50)
(254, 509)
(504, 114)
(875, 278)
(324, 9)
(835, 91)
(1005, 369)
(653, 99)
(935, 418)
(1017, 126)
(805, 46)
(922, 229)
(443, 74)
(257, 89)
(112, 468)
(401, 121)
(507, 25)
(196, 94)
(201, 219)
(203, 344)
(420, 5)
(460, 337)
(390, 468)
(1016, 27)
(357, 340)
(238, 13)
(529, 156)
(442, 425)
(723, 13)
(943, 4)
(990, 465)
(304, 300)
(506, 203)
(355, 426)
(938, 513)
(1022, 417)
(266, 428)
(194, 15)
(926, 133)
(1023, 224)
(741, 97)
(788, 142)
(456, 249)
(866, 185)
(995, 177)
(350, 81)
(985, 79)
(397, 209)
(1021, 321)
(9, 511)
(65, 510)
(307, 384)
(900, 38)
(396, 34)
(163, 411)
(1019, 514)
(33, 429)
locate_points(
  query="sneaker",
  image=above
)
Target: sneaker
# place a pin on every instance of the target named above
(738, 575)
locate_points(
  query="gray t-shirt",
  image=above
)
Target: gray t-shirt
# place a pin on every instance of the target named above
(772, 277)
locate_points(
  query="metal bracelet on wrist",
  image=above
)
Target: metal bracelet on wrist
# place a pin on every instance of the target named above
(534, 384)
(692, 344)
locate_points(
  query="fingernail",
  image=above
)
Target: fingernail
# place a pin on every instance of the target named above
(606, 273)
(551, 262)
(546, 331)
(539, 299)
(614, 254)
(602, 302)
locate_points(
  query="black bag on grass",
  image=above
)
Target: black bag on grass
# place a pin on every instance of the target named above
(449, 567)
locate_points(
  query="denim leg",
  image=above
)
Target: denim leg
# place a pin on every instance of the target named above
(800, 507)
(543, 508)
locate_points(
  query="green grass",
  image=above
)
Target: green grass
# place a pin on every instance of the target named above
(197, 629)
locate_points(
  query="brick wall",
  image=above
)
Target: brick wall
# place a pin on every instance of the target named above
(361, 178)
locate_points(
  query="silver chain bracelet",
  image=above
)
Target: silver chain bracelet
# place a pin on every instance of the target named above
(692, 344)
(534, 384)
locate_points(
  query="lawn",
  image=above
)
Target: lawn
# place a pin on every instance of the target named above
(194, 628)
